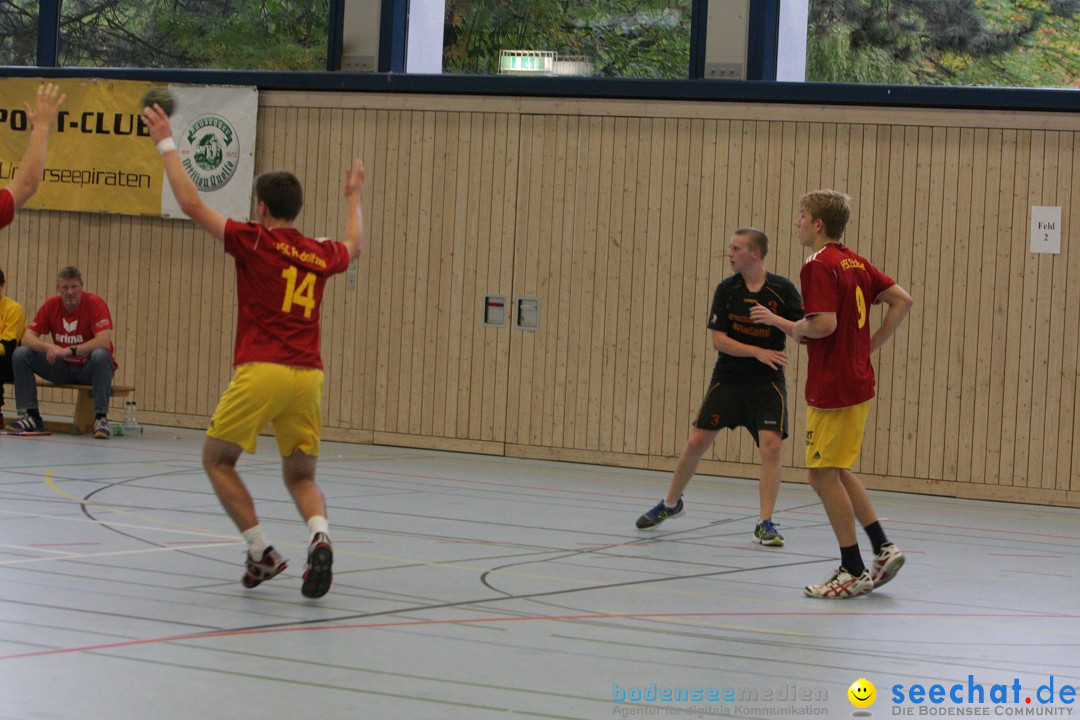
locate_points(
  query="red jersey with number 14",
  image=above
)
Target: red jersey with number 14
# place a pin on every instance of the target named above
(280, 277)
(835, 279)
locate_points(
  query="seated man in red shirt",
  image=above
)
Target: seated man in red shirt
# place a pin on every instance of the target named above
(80, 352)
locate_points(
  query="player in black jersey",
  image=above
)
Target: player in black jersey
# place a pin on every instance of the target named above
(747, 387)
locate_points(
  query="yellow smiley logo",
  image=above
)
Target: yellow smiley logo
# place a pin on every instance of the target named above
(862, 693)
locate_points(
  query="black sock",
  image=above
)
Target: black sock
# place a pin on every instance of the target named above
(33, 412)
(851, 560)
(876, 535)
(98, 416)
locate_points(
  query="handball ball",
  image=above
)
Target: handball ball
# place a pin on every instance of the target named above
(159, 96)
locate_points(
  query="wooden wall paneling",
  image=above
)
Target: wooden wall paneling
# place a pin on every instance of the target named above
(479, 380)
(651, 419)
(1050, 332)
(621, 268)
(594, 263)
(569, 214)
(575, 244)
(966, 249)
(524, 203)
(970, 446)
(935, 302)
(956, 179)
(545, 285)
(711, 248)
(909, 336)
(897, 258)
(382, 258)
(336, 313)
(666, 351)
(485, 368)
(411, 365)
(680, 354)
(439, 304)
(365, 139)
(1029, 168)
(456, 413)
(638, 384)
(981, 353)
(1014, 195)
(871, 244)
(1038, 270)
(555, 303)
(926, 255)
(395, 262)
(608, 227)
(703, 240)
(505, 200)
(1067, 192)
(527, 251)
(470, 288)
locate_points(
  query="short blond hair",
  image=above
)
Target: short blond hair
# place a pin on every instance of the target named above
(831, 207)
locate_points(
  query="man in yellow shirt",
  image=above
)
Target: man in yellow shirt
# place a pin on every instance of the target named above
(12, 327)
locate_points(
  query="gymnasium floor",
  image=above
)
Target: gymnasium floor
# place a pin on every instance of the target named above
(479, 587)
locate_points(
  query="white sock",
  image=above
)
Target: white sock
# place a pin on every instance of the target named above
(318, 524)
(256, 541)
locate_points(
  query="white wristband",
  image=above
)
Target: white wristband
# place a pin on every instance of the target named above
(166, 145)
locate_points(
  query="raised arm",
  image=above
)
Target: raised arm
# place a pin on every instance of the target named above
(354, 229)
(42, 118)
(187, 195)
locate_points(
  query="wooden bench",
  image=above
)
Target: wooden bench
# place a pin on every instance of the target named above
(83, 421)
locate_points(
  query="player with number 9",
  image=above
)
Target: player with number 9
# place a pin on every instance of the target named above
(836, 284)
(280, 277)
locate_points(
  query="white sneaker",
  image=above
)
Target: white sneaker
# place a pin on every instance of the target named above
(841, 585)
(886, 564)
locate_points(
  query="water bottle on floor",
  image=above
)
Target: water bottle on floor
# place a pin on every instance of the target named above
(131, 425)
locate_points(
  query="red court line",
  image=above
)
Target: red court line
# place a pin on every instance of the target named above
(1056, 557)
(518, 618)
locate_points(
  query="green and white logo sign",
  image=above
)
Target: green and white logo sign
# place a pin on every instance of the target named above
(210, 152)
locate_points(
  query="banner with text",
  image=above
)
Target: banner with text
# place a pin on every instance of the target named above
(101, 158)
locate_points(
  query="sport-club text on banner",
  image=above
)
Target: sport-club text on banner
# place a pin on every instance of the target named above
(100, 156)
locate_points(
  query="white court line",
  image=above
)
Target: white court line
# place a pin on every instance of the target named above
(163, 527)
(116, 553)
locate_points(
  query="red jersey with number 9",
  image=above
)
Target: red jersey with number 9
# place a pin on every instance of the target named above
(280, 277)
(835, 279)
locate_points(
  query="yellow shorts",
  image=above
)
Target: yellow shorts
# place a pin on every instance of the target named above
(290, 398)
(834, 437)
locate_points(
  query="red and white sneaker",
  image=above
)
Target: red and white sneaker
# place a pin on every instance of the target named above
(271, 565)
(841, 585)
(318, 575)
(886, 564)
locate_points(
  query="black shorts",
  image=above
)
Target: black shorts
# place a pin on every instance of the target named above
(753, 405)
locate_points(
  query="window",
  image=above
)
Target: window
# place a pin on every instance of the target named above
(605, 38)
(1003, 43)
(18, 32)
(218, 34)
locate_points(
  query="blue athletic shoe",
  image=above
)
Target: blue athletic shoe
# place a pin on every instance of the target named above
(659, 514)
(766, 534)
